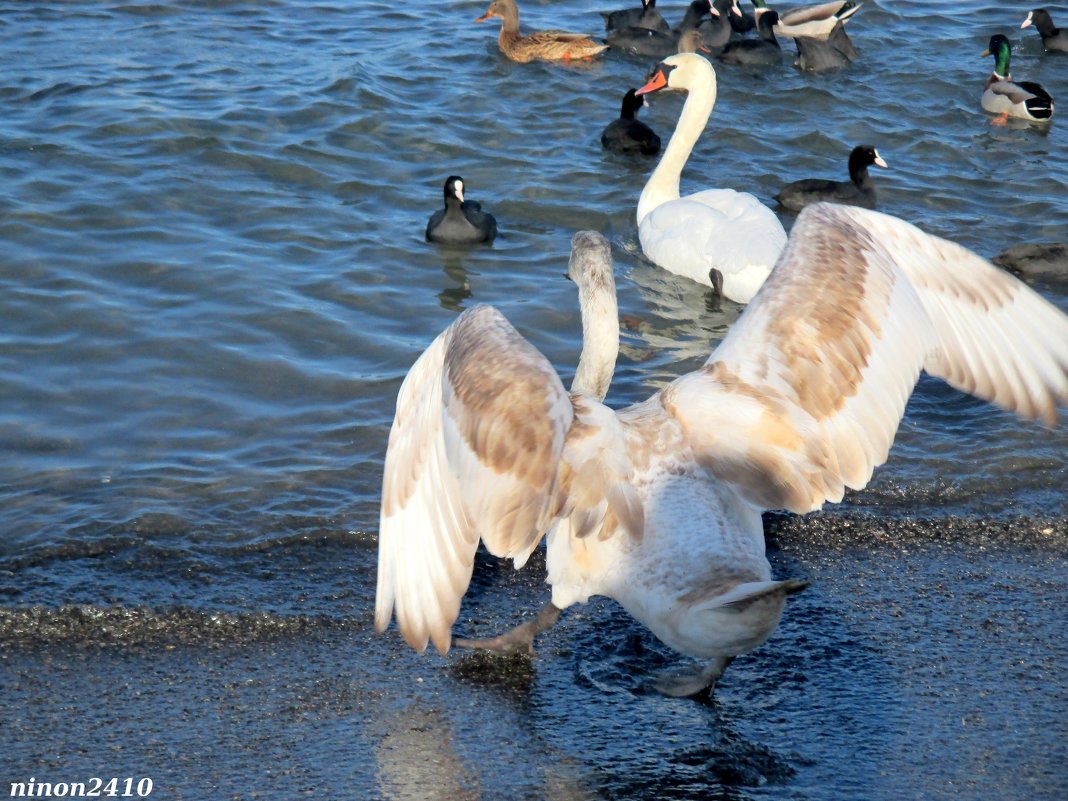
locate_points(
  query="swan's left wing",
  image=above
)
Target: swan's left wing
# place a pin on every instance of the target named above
(804, 395)
(473, 452)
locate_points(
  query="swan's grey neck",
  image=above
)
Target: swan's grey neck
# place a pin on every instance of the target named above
(663, 184)
(591, 269)
(600, 343)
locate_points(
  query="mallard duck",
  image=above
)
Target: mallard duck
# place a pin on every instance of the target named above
(814, 21)
(765, 50)
(630, 135)
(658, 505)
(654, 44)
(720, 238)
(543, 45)
(1054, 40)
(1024, 100)
(461, 222)
(645, 17)
(859, 190)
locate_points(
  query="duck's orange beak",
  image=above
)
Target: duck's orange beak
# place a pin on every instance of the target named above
(486, 16)
(658, 81)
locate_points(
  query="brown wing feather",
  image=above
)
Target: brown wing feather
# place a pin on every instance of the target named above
(473, 451)
(804, 395)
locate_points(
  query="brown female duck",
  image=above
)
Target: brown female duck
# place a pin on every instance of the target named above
(544, 45)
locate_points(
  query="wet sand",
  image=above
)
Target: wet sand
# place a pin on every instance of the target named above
(925, 661)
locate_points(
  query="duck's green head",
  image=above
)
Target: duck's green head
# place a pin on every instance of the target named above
(1001, 50)
(759, 4)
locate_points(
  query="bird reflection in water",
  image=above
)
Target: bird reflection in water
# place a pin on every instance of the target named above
(453, 297)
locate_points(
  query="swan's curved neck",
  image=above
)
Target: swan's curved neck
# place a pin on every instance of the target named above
(600, 339)
(663, 184)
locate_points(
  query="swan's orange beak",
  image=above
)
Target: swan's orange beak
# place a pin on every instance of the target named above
(486, 16)
(658, 81)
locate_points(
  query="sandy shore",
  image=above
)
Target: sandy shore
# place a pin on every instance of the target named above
(926, 661)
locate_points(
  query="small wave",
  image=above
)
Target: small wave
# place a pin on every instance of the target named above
(838, 530)
(97, 626)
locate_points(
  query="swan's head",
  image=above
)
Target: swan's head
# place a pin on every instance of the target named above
(454, 188)
(590, 266)
(685, 71)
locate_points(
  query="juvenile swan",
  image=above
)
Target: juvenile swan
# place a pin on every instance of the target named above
(658, 505)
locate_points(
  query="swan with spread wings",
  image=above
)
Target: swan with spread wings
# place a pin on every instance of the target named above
(659, 505)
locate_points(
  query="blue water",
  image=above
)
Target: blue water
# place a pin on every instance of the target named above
(214, 280)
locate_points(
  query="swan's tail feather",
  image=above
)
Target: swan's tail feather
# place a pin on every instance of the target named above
(757, 591)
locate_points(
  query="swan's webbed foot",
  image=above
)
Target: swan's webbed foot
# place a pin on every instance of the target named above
(519, 639)
(697, 685)
(714, 299)
(716, 277)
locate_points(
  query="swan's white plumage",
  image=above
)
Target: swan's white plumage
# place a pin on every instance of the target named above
(729, 231)
(801, 399)
(466, 458)
(691, 235)
(830, 349)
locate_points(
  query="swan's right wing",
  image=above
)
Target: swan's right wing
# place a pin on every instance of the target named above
(804, 395)
(474, 451)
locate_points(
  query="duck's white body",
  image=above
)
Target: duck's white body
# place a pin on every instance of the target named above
(720, 229)
(658, 505)
(1025, 101)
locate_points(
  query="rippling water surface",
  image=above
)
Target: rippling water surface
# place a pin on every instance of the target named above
(214, 280)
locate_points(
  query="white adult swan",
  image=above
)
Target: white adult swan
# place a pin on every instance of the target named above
(721, 238)
(658, 505)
